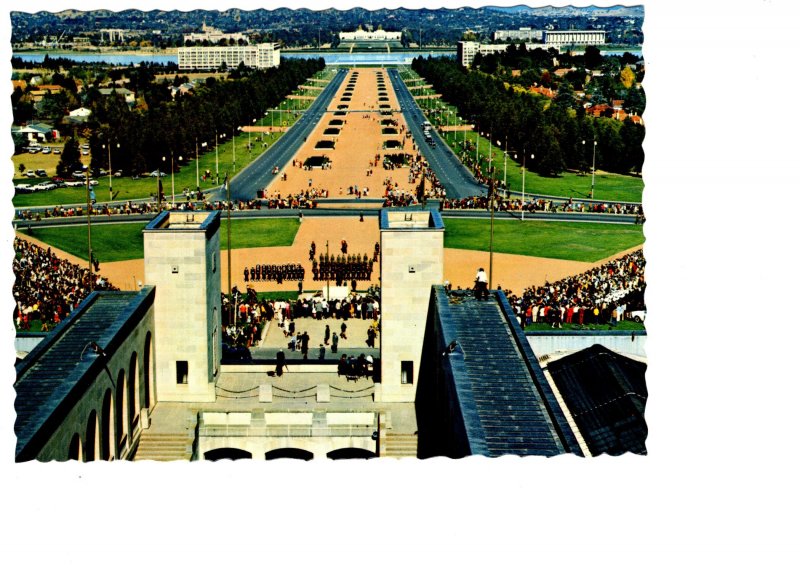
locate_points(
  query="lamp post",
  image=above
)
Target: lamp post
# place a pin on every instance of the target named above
(197, 164)
(89, 228)
(524, 156)
(216, 157)
(594, 149)
(233, 140)
(110, 186)
(505, 162)
(172, 172)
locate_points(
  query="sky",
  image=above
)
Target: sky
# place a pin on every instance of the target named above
(718, 484)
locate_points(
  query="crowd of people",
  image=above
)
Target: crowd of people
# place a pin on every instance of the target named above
(48, 288)
(274, 273)
(603, 295)
(542, 205)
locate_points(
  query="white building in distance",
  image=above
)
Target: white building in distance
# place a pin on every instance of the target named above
(258, 56)
(466, 51)
(373, 36)
(214, 36)
(521, 35)
(565, 38)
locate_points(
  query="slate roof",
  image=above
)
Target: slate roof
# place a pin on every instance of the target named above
(56, 373)
(606, 395)
(506, 403)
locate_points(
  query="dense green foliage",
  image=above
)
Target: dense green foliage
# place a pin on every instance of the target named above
(160, 125)
(553, 130)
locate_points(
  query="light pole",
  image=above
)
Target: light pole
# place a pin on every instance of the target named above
(216, 157)
(505, 162)
(233, 140)
(594, 149)
(89, 228)
(172, 172)
(197, 164)
(524, 156)
(110, 186)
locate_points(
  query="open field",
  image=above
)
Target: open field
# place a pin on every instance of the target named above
(119, 242)
(581, 242)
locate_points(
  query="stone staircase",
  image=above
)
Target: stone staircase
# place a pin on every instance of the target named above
(162, 446)
(400, 445)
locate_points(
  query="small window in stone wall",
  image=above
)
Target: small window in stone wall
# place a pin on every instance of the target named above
(406, 372)
(182, 372)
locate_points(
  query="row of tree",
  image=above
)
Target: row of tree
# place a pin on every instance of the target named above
(553, 131)
(160, 126)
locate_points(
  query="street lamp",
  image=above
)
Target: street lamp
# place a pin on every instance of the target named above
(524, 156)
(594, 148)
(197, 162)
(110, 188)
(172, 172)
(233, 140)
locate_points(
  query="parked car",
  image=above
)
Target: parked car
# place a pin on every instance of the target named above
(78, 174)
(23, 188)
(85, 146)
(46, 150)
(33, 150)
(56, 151)
(639, 315)
(157, 173)
(30, 174)
(41, 172)
(72, 183)
(118, 173)
(84, 152)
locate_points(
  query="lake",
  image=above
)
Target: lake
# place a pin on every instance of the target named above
(331, 58)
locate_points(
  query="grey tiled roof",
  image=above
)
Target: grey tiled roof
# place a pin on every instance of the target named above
(505, 409)
(54, 375)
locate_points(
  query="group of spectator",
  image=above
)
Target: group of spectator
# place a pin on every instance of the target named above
(603, 295)
(274, 272)
(543, 205)
(351, 366)
(342, 268)
(46, 287)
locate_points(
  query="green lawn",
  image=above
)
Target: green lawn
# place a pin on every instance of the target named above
(117, 242)
(607, 186)
(577, 241)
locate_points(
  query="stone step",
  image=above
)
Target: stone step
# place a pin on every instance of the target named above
(401, 445)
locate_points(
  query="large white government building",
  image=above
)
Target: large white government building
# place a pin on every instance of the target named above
(259, 56)
(523, 34)
(214, 36)
(466, 51)
(370, 36)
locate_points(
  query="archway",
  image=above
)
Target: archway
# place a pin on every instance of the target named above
(148, 368)
(75, 450)
(133, 389)
(293, 453)
(350, 454)
(92, 436)
(227, 454)
(107, 427)
(121, 412)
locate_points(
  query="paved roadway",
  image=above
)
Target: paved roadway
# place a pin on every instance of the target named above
(258, 173)
(454, 176)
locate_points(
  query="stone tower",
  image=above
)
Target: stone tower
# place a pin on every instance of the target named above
(181, 259)
(412, 258)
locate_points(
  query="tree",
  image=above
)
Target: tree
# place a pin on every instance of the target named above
(550, 162)
(70, 158)
(592, 58)
(627, 77)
